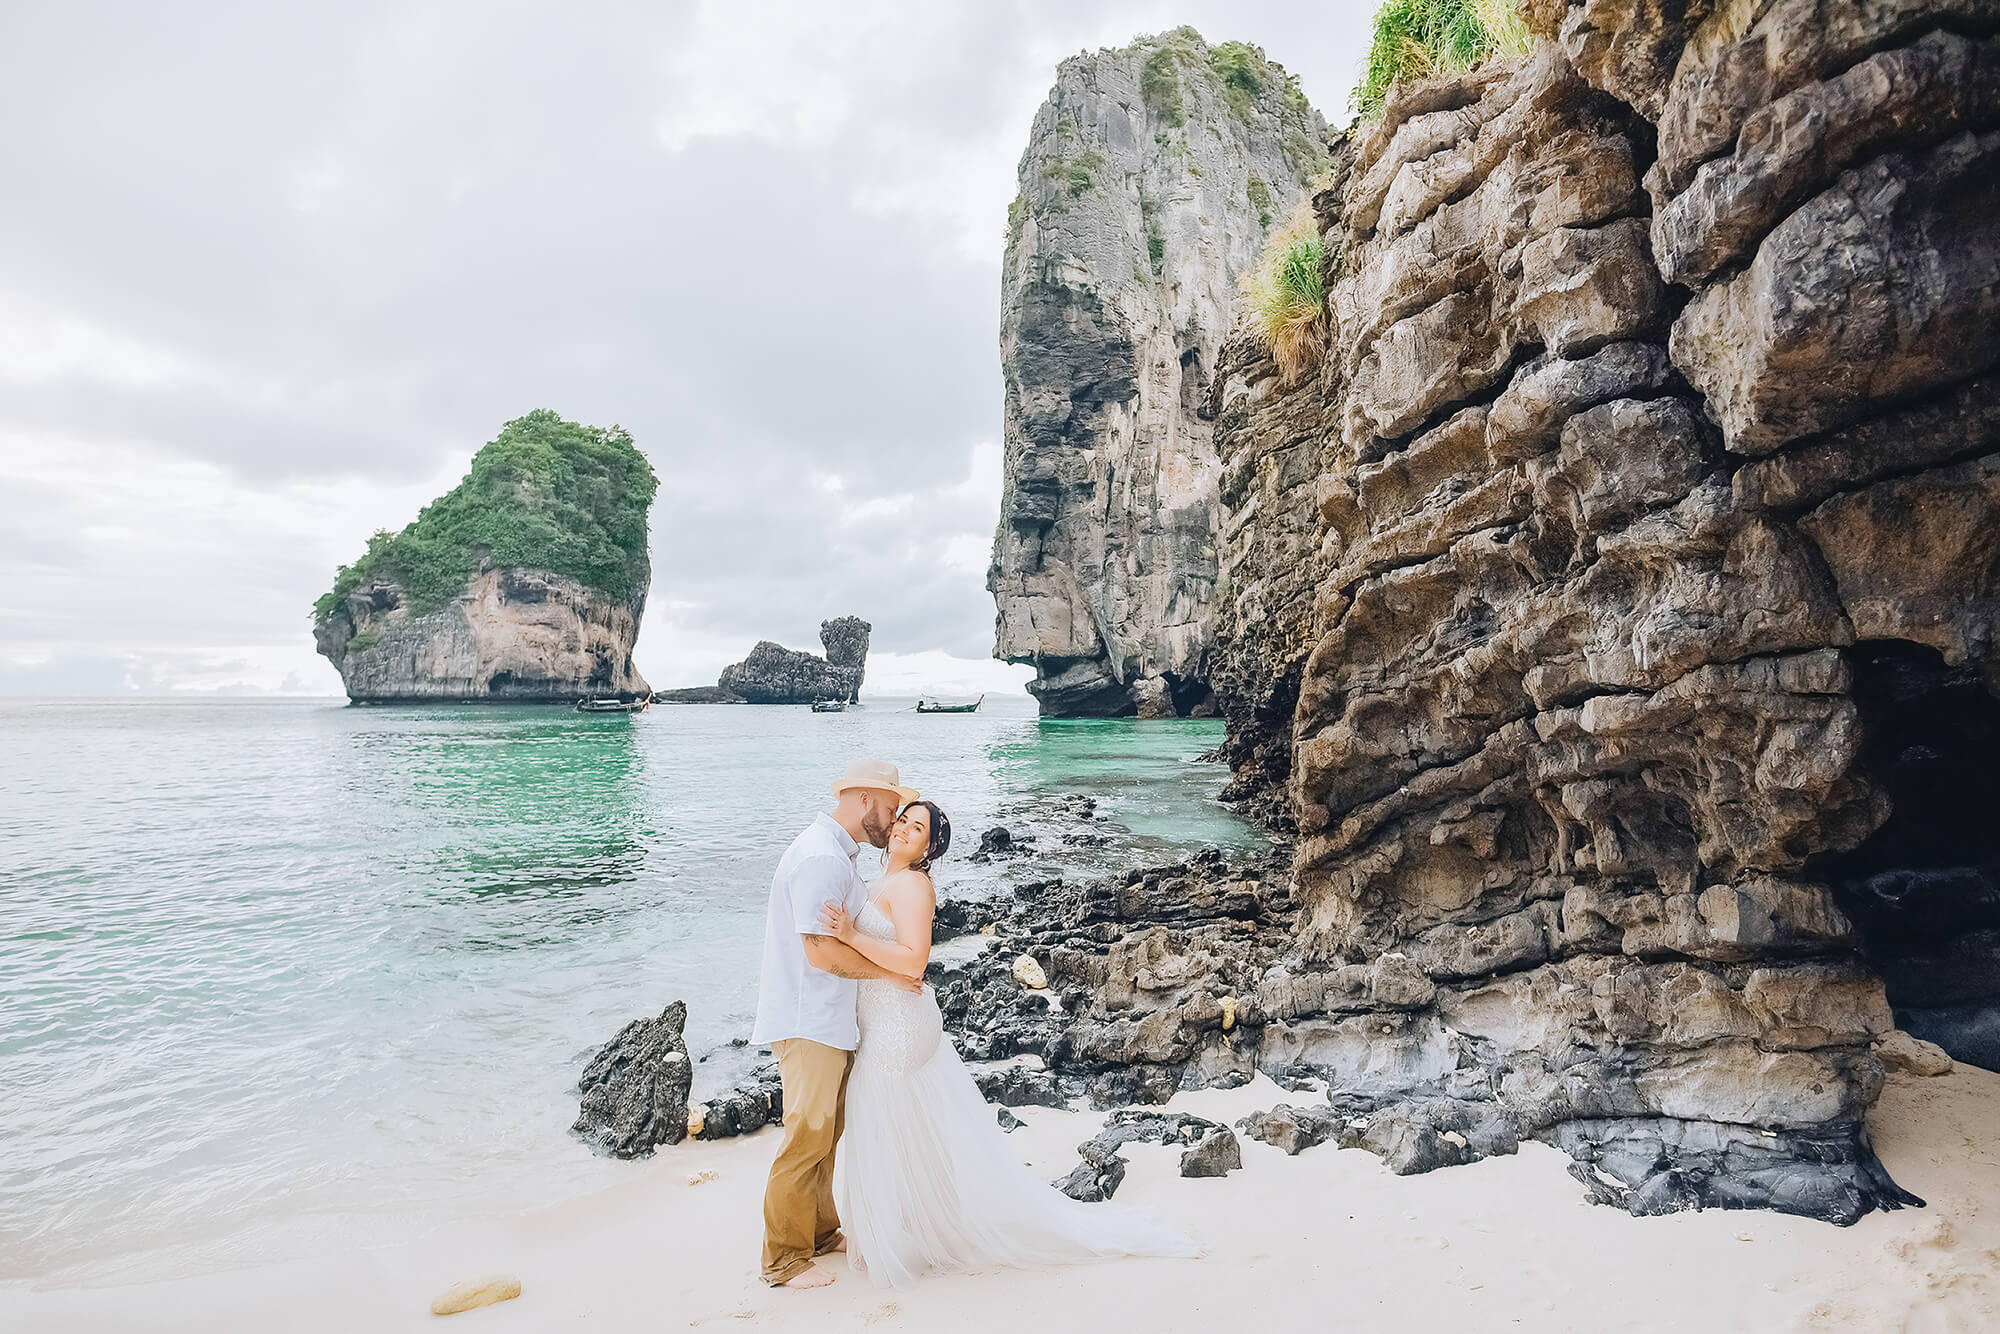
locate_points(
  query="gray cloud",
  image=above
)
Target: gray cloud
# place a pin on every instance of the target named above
(268, 278)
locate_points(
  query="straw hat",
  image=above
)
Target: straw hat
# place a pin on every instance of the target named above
(878, 774)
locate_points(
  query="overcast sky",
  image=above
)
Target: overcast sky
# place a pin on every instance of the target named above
(270, 274)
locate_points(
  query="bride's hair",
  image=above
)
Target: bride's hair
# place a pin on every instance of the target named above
(940, 835)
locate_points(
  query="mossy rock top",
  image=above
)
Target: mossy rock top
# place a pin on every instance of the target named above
(545, 494)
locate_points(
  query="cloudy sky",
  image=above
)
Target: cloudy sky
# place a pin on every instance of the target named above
(270, 274)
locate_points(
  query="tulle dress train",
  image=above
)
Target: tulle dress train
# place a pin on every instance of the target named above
(925, 1180)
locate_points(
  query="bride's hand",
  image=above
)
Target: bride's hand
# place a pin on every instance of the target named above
(835, 922)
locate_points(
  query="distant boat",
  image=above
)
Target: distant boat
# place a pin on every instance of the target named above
(612, 704)
(934, 706)
(829, 706)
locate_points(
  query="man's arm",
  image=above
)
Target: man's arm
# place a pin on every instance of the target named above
(843, 960)
(913, 903)
(817, 882)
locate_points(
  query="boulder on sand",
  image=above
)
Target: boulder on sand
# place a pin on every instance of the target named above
(634, 1092)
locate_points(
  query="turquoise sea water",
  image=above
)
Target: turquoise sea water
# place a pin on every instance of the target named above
(277, 973)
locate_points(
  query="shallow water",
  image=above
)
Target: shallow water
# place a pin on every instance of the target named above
(273, 973)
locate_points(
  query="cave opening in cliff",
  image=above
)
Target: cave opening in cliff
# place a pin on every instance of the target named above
(1188, 694)
(1924, 889)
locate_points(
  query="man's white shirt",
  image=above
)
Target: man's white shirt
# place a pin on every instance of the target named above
(795, 999)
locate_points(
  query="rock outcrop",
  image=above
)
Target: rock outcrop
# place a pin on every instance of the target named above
(524, 583)
(1614, 619)
(513, 636)
(634, 1091)
(1151, 177)
(774, 674)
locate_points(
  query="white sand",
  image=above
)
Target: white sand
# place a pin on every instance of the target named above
(1327, 1240)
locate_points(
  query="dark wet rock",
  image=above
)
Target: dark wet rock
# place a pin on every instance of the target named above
(634, 1092)
(1019, 1086)
(997, 839)
(741, 1092)
(757, 1102)
(1102, 1168)
(1095, 1179)
(1663, 1165)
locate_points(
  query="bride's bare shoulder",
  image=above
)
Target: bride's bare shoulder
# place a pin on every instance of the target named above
(910, 883)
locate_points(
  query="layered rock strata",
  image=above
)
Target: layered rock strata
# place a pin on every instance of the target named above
(512, 636)
(1615, 618)
(1151, 177)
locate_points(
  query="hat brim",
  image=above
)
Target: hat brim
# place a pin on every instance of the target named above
(904, 795)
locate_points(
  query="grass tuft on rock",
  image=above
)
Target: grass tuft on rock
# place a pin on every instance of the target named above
(1418, 39)
(1286, 293)
(545, 494)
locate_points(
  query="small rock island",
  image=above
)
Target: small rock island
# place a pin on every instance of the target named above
(774, 674)
(523, 584)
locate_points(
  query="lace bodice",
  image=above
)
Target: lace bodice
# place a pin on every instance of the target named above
(900, 1030)
(872, 921)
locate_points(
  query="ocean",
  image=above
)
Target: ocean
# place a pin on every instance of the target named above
(278, 974)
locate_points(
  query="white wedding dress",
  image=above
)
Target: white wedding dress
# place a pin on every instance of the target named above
(926, 1180)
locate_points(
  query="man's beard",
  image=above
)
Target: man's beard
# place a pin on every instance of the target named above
(876, 828)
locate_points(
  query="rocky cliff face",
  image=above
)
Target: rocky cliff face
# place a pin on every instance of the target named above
(1617, 619)
(1150, 179)
(513, 636)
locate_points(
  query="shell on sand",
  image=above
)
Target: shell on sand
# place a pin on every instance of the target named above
(476, 1292)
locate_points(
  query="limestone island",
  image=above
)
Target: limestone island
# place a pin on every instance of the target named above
(774, 674)
(525, 583)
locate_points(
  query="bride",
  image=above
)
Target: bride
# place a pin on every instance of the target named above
(925, 1179)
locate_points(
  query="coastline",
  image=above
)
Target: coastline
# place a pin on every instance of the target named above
(1505, 1243)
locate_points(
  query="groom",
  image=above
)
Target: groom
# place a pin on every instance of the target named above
(805, 1010)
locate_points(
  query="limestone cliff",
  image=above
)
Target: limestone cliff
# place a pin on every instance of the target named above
(1151, 176)
(1617, 617)
(523, 584)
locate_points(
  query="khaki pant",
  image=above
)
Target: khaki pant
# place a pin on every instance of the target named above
(799, 1221)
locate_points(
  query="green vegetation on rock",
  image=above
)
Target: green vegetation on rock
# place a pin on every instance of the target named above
(1416, 39)
(1156, 239)
(1160, 83)
(1287, 294)
(1260, 197)
(1078, 173)
(1243, 70)
(545, 494)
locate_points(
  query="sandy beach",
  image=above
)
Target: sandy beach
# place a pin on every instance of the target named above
(1326, 1239)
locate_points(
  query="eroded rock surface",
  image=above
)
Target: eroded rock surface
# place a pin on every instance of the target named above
(1150, 180)
(1615, 619)
(634, 1092)
(513, 635)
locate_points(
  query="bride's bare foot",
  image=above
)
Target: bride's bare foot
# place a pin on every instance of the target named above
(814, 1277)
